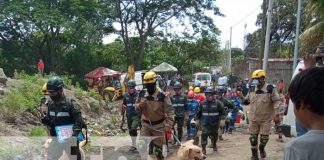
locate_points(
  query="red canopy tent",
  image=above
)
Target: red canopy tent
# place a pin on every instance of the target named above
(101, 72)
(95, 74)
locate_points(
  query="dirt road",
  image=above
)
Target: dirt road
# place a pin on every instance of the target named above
(237, 147)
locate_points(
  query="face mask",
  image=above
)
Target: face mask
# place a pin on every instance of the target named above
(177, 92)
(131, 90)
(56, 97)
(210, 98)
(255, 82)
(150, 88)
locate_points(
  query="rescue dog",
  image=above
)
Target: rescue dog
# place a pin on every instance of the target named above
(64, 155)
(189, 151)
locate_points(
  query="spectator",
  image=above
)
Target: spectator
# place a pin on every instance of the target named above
(306, 92)
(40, 67)
(281, 87)
(15, 74)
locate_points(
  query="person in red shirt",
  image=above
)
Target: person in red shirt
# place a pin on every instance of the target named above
(40, 67)
(199, 96)
(281, 87)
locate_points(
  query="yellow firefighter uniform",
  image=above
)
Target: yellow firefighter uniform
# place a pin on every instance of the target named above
(157, 115)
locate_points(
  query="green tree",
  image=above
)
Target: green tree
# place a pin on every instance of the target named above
(282, 32)
(188, 56)
(148, 18)
(48, 29)
(313, 35)
(237, 55)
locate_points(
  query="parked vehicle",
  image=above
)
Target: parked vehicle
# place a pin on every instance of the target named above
(204, 79)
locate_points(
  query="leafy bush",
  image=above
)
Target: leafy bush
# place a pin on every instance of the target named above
(26, 96)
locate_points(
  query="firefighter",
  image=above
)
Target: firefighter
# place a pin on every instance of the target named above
(210, 113)
(133, 117)
(157, 113)
(264, 105)
(179, 103)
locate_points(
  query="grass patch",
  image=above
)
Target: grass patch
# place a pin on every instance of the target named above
(28, 94)
(10, 153)
(37, 131)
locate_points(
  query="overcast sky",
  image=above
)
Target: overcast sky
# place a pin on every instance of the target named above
(237, 13)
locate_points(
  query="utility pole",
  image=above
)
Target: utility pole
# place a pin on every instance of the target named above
(297, 36)
(244, 38)
(230, 52)
(267, 40)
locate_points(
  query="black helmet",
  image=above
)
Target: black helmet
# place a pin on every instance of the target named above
(177, 86)
(210, 90)
(131, 83)
(54, 84)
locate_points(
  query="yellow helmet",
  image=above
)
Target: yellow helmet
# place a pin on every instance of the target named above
(44, 88)
(191, 88)
(197, 90)
(258, 73)
(149, 77)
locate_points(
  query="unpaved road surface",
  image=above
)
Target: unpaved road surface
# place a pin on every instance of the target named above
(235, 146)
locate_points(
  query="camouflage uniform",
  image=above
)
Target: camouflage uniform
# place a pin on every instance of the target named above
(64, 112)
(210, 114)
(133, 117)
(179, 103)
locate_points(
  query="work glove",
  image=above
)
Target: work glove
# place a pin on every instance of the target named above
(46, 121)
(243, 117)
(142, 105)
(276, 118)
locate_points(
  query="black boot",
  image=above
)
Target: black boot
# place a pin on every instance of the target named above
(215, 148)
(204, 149)
(263, 154)
(215, 142)
(254, 154)
(151, 146)
(221, 137)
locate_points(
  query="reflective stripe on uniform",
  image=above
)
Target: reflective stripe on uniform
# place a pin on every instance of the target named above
(130, 104)
(52, 113)
(210, 114)
(179, 105)
(63, 114)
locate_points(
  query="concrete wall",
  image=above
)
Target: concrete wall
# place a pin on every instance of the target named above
(277, 70)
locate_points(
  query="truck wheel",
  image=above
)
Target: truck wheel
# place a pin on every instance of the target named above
(108, 95)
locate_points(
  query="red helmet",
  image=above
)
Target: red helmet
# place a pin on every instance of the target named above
(234, 94)
(191, 94)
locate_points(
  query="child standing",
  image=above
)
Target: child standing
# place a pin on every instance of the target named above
(306, 92)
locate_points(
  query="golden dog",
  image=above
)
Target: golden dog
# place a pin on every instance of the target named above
(189, 151)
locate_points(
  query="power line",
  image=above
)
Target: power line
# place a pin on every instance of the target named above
(240, 21)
